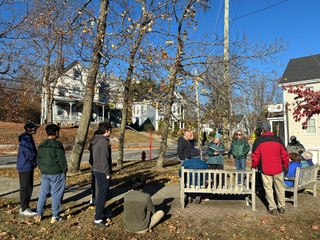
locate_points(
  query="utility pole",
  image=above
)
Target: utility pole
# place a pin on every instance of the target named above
(226, 62)
(196, 85)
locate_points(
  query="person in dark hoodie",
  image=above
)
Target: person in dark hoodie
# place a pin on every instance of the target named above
(26, 163)
(102, 168)
(52, 164)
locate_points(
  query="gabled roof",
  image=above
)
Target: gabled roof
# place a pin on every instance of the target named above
(300, 70)
(73, 64)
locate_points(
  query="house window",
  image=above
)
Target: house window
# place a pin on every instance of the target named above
(76, 74)
(145, 109)
(311, 126)
(62, 91)
(76, 90)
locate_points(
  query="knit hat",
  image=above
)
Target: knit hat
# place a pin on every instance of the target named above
(266, 127)
(293, 137)
(307, 155)
(195, 152)
(218, 135)
(30, 125)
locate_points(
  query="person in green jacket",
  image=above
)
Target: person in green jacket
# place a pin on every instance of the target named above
(52, 164)
(239, 149)
(139, 215)
(215, 152)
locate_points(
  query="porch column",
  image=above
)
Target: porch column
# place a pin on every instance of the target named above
(70, 112)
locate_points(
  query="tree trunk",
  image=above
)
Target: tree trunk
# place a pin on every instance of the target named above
(76, 155)
(127, 85)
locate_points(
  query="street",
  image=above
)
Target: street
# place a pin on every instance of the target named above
(129, 155)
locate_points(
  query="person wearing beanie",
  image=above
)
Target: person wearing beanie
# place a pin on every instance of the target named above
(215, 152)
(26, 163)
(295, 146)
(271, 156)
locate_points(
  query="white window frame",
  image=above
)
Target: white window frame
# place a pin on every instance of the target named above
(307, 131)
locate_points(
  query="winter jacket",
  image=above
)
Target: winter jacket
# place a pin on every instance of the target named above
(295, 146)
(51, 157)
(138, 209)
(291, 172)
(215, 159)
(27, 153)
(184, 148)
(195, 163)
(239, 148)
(101, 152)
(269, 154)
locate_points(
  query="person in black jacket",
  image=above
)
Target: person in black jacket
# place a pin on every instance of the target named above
(184, 146)
(102, 169)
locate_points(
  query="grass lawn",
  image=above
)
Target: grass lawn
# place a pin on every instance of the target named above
(80, 216)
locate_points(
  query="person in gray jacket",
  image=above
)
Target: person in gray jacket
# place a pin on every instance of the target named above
(102, 169)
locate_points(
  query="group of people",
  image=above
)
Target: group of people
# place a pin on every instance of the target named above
(270, 157)
(51, 161)
(140, 215)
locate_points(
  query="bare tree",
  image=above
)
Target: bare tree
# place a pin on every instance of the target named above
(82, 132)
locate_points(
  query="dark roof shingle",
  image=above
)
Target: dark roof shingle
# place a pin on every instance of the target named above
(301, 69)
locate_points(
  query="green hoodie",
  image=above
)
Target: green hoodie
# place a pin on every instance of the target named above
(51, 157)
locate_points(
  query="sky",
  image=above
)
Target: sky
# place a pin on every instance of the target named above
(297, 21)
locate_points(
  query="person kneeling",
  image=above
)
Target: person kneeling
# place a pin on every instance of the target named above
(139, 212)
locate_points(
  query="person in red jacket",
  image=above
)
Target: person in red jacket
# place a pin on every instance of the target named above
(271, 157)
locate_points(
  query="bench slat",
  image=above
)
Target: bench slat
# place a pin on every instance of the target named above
(215, 181)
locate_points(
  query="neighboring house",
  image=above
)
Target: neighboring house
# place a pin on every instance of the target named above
(68, 96)
(146, 112)
(304, 70)
(242, 124)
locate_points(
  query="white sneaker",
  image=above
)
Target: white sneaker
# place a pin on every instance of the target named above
(57, 219)
(27, 213)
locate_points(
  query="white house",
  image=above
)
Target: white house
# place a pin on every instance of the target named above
(68, 95)
(146, 112)
(304, 70)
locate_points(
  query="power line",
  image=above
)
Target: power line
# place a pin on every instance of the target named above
(259, 10)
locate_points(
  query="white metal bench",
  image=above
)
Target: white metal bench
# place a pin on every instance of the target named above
(304, 177)
(218, 182)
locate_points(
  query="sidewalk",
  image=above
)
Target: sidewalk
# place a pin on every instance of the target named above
(168, 197)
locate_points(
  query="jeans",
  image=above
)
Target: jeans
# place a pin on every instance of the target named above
(240, 165)
(55, 185)
(103, 185)
(26, 188)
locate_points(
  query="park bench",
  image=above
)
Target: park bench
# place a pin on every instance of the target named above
(212, 181)
(304, 177)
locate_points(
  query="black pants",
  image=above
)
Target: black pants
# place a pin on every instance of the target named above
(103, 185)
(26, 188)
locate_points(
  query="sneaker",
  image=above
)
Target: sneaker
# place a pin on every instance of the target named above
(282, 210)
(57, 219)
(273, 211)
(37, 218)
(197, 200)
(101, 223)
(27, 213)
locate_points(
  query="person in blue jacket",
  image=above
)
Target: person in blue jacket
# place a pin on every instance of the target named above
(294, 164)
(26, 163)
(194, 163)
